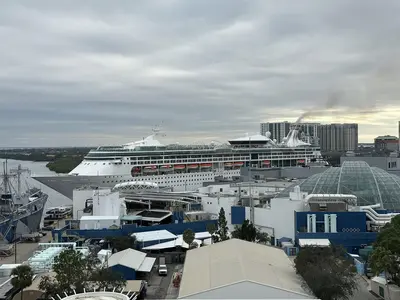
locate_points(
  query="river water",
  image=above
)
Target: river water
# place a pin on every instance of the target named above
(55, 198)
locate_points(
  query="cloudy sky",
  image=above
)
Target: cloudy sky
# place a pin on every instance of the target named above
(105, 72)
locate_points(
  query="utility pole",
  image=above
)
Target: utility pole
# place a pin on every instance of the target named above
(250, 184)
(15, 250)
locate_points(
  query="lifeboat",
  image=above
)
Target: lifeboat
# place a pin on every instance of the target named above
(180, 167)
(205, 166)
(150, 168)
(238, 164)
(301, 161)
(193, 166)
(135, 171)
(228, 164)
(266, 162)
(166, 167)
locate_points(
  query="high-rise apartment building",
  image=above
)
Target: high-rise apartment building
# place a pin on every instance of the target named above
(279, 130)
(338, 137)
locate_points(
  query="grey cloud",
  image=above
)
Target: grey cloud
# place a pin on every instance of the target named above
(91, 72)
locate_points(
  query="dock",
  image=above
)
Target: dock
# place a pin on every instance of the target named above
(24, 251)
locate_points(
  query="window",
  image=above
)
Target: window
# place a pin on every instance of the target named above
(382, 292)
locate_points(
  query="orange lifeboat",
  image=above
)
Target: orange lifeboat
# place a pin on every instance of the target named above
(179, 167)
(207, 165)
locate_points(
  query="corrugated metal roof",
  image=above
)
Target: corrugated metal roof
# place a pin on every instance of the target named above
(96, 218)
(129, 258)
(171, 244)
(314, 242)
(147, 264)
(156, 235)
(233, 261)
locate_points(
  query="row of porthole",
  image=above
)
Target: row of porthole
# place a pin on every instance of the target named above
(195, 174)
(168, 181)
(350, 229)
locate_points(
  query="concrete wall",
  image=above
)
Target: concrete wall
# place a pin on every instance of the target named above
(99, 223)
(79, 198)
(278, 220)
(247, 290)
(106, 203)
(213, 205)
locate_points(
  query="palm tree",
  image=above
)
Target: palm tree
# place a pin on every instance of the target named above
(21, 277)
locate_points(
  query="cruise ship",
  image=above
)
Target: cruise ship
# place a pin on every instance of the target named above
(182, 167)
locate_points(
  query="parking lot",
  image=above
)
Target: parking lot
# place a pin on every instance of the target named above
(161, 287)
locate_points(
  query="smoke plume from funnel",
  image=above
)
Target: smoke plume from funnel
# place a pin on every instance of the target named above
(332, 102)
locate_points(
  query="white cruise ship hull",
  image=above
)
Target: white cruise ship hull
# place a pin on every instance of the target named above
(179, 182)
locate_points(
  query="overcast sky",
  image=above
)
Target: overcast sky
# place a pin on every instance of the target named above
(105, 72)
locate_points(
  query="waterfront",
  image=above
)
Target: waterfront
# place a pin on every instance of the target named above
(55, 198)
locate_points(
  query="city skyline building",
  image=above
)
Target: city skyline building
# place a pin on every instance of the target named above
(279, 130)
(386, 142)
(330, 137)
(338, 137)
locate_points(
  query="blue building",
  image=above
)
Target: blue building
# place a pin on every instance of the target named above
(149, 238)
(130, 262)
(329, 218)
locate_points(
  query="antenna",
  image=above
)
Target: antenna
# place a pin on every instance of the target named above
(18, 171)
(157, 130)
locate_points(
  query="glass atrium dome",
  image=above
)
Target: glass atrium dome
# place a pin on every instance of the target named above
(371, 185)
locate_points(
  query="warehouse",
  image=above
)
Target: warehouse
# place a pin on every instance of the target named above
(237, 269)
(129, 262)
(149, 238)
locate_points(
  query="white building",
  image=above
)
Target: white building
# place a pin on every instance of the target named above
(99, 222)
(276, 217)
(104, 202)
(237, 269)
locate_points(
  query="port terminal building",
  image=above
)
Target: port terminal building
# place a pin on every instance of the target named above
(345, 205)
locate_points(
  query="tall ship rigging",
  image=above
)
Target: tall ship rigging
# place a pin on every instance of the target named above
(21, 209)
(182, 167)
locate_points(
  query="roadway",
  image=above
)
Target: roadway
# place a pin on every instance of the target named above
(363, 290)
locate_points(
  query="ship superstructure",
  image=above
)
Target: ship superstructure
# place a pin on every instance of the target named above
(21, 209)
(183, 167)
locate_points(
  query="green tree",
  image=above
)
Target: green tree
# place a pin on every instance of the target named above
(248, 232)
(120, 243)
(327, 272)
(21, 278)
(262, 237)
(386, 253)
(193, 245)
(73, 271)
(108, 279)
(212, 229)
(188, 236)
(220, 232)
